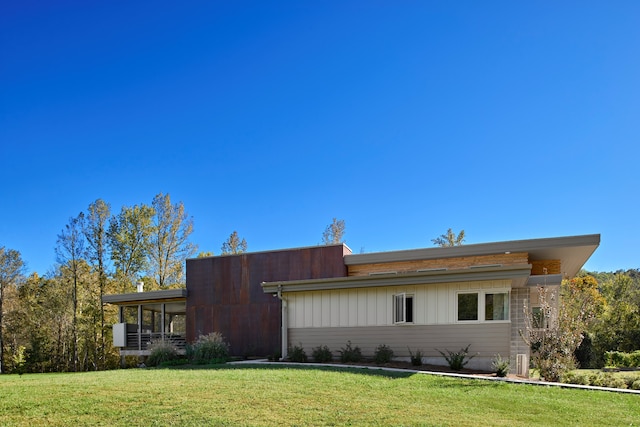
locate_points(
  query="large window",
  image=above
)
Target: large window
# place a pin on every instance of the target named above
(403, 308)
(486, 306)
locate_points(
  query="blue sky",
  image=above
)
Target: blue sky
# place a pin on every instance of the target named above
(510, 120)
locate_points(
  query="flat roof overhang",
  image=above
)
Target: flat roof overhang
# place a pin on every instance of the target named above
(572, 251)
(151, 297)
(519, 274)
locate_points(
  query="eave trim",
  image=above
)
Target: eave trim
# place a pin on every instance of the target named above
(165, 295)
(512, 246)
(411, 278)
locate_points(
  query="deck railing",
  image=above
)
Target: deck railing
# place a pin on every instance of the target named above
(141, 341)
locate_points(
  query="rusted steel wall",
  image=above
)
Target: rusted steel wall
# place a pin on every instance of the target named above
(225, 295)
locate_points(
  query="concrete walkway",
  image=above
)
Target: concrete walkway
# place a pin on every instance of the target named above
(442, 374)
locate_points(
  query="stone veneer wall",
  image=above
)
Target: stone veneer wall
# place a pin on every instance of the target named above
(518, 298)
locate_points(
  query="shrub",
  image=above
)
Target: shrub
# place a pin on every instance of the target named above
(297, 354)
(501, 366)
(322, 354)
(619, 359)
(211, 348)
(576, 378)
(600, 379)
(416, 358)
(161, 352)
(597, 379)
(615, 359)
(383, 354)
(615, 382)
(635, 385)
(457, 360)
(350, 354)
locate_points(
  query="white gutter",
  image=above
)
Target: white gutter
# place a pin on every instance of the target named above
(285, 324)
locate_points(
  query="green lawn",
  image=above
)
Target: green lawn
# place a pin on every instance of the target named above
(252, 395)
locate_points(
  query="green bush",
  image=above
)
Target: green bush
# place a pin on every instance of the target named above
(601, 379)
(383, 354)
(614, 359)
(416, 358)
(350, 354)
(161, 352)
(629, 380)
(635, 385)
(615, 382)
(297, 354)
(501, 366)
(620, 359)
(322, 354)
(576, 378)
(459, 359)
(597, 379)
(211, 348)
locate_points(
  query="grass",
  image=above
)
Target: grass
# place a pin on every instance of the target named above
(263, 396)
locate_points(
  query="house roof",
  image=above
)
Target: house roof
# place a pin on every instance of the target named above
(166, 295)
(573, 251)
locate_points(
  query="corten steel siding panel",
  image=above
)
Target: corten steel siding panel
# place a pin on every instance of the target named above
(225, 293)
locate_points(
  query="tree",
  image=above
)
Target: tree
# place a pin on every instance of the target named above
(128, 235)
(449, 239)
(334, 233)
(169, 241)
(583, 300)
(618, 328)
(70, 252)
(95, 232)
(233, 245)
(11, 270)
(556, 331)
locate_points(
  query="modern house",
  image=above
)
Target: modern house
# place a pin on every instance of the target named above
(422, 299)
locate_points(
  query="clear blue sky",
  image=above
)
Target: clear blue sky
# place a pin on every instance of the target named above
(508, 119)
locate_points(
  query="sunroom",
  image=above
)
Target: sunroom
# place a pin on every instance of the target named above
(146, 317)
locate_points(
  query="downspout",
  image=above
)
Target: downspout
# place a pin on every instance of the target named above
(285, 324)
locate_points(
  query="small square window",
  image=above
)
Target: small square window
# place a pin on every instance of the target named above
(468, 306)
(496, 306)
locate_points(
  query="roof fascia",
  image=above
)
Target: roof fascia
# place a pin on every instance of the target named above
(529, 245)
(165, 295)
(391, 279)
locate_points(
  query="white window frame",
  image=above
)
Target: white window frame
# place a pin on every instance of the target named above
(457, 306)
(400, 308)
(482, 293)
(507, 301)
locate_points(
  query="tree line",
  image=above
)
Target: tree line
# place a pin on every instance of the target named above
(57, 322)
